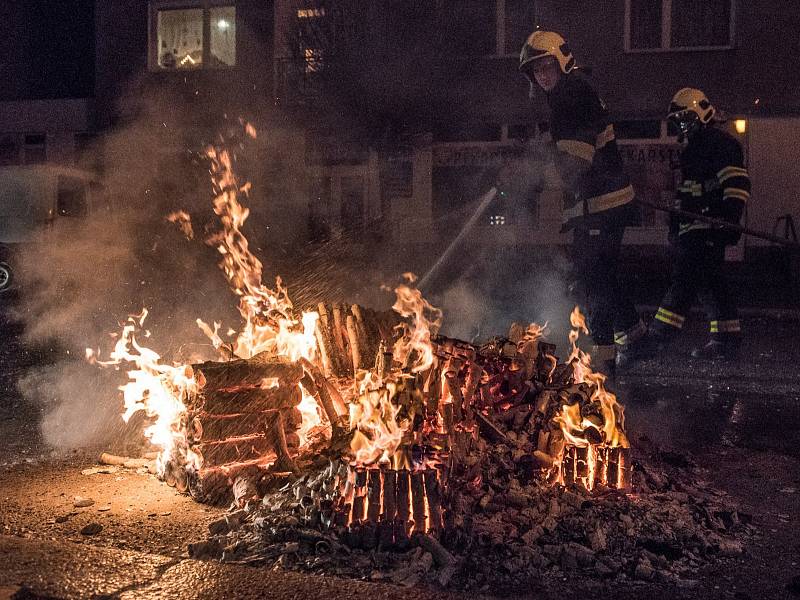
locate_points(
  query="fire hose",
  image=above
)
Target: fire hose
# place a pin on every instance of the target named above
(721, 224)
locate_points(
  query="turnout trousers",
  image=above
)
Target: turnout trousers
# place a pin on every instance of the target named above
(699, 271)
(611, 315)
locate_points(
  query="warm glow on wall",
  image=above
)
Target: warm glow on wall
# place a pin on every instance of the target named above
(741, 125)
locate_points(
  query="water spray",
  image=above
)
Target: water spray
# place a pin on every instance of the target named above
(483, 203)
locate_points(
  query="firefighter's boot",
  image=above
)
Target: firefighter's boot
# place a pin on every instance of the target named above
(646, 347)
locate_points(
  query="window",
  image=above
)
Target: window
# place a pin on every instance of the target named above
(313, 34)
(192, 36)
(678, 24)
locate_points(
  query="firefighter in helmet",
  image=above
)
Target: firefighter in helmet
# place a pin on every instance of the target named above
(714, 183)
(598, 199)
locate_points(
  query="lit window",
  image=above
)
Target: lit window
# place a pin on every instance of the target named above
(310, 13)
(180, 36)
(678, 24)
(497, 220)
(313, 59)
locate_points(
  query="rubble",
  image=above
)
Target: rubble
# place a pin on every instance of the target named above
(658, 533)
(92, 529)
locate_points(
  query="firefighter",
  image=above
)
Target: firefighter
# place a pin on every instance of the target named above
(598, 199)
(714, 183)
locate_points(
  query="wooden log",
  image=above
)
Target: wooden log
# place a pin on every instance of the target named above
(489, 429)
(418, 501)
(234, 451)
(403, 494)
(338, 329)
(210, 487)
(441, 557)
(284, 460)
(355, 346)
(446, 410)
(373, 495)
(474, 375)
(247, 373)
(601, 465)
(253, 400)
(389, 495)
(315, 384)
(209, 428)
(434, 496)
(324, 357)
(323, 315)
(582, 462)
(624, 469)
(613, 467)
(326, 328)
(365, 340)
(454, 387)
(568, 466)
(359, 503)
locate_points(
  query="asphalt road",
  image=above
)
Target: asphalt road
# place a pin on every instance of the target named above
(737, 423)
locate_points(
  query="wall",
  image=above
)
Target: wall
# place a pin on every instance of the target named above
(775, 174)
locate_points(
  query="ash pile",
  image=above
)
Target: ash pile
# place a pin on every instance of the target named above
(443, 463)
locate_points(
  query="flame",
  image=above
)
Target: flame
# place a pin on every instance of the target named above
(269, 325)
(415, 343)
(269, 321)
(158, 389)
(377, 430)
(184, 222)
(573, 424)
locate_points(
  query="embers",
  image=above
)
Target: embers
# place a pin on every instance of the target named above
(591, 467)
(383, 507)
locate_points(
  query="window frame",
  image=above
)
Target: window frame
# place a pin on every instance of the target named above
(153, 8)
(666, 32)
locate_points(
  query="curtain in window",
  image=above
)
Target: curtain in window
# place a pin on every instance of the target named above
(223, 35)
(180, 38)
(645, 24)
(700, 23)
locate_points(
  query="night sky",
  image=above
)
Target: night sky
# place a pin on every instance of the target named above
(48, 50)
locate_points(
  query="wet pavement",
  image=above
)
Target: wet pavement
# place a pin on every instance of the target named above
(736, 422)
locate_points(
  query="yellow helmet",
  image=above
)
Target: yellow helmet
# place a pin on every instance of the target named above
(546, 43)
(690, 109)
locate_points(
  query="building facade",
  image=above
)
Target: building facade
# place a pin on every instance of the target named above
(399, 125)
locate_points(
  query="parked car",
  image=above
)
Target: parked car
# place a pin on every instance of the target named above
(33, 199)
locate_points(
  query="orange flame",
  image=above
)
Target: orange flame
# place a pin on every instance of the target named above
(573, 424)
(158, 389)
(415, 344)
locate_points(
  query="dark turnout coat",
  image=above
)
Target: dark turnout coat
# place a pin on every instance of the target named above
(599, 193)
(714, 183)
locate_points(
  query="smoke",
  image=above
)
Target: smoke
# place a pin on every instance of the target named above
(85, 275)
(487, 299)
